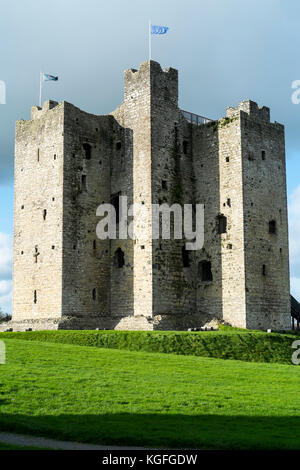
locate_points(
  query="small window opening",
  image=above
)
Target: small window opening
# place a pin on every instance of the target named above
(94, 294)
(227, 159)
(44, 214)
(54, 156)
(119, 258)
(222, 224)
(263, 269)
(229, 202)
(142, 247)
(272, 226)
(94, 244)
(35, 297)
(185, 145)
(164, 184)
(204, 271)
(185, 257)
(263, 155)
(53, 247)
(118, 145)
(38, 155)
(22, 207)
(36, 253)
(83, 183)
(87, 151)
(115, 201)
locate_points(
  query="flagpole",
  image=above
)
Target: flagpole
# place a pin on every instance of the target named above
(149, 40)
(40, 90)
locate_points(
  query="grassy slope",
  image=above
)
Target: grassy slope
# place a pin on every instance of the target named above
(137, 398)
(228, 343)
(4, 446)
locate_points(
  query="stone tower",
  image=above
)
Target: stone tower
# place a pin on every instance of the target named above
(68, 162)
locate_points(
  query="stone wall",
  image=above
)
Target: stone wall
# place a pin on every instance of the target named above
(135, 183)
(265, 202)
(38, 228)
(86, 259)
(174, 293)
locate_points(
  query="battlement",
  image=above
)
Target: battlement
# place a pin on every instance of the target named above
(252, 109)
(37, 111)
(150, 75)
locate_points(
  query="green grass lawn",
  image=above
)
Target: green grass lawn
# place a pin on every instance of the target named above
(108, 396)
(4, 446)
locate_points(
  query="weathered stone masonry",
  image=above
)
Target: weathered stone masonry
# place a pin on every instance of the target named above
(67, 162)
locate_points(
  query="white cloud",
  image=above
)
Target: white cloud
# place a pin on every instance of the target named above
(294, 231)
(5, 256)
(6, 302)
(295, 287)
(5, 272)
(5, 287)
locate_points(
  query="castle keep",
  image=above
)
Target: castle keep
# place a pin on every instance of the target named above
(68, 162)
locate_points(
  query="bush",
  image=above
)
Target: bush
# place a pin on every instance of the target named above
(4, 317)
(228, 343)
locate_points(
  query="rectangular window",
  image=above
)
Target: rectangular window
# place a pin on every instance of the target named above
(204, 271)
(83, 183)
(222, 224)
(272, 226)
(115, 201)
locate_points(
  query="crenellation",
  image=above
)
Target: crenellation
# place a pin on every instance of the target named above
(252, 109)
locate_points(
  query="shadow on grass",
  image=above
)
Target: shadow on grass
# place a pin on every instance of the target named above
(157, 430)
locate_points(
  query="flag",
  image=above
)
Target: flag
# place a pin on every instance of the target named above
(47, 77)
(159, 29)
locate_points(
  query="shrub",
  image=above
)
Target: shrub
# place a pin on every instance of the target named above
(227, 343)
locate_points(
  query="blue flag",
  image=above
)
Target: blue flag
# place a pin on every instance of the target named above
(159, 29)
(47, 77)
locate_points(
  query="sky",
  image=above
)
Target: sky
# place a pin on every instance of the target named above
(226, 51)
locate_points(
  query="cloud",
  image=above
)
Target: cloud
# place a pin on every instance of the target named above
(5, 272)
(294, 232)
(295, 287)
(5, 256)
(5, 287)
